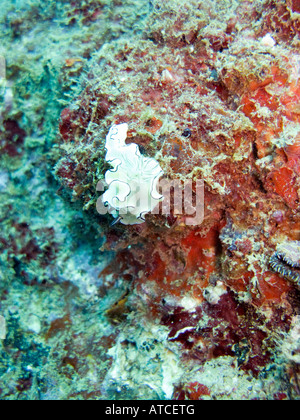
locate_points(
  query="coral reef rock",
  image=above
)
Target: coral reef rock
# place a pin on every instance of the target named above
(155, 307)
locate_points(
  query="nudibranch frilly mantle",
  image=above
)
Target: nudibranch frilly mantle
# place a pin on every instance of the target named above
(132, 180)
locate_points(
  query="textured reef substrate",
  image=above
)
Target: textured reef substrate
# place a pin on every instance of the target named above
(162, 309)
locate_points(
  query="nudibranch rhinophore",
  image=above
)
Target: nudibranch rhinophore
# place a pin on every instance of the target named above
(132, 180)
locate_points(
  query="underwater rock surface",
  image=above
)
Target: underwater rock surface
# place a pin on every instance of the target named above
(163, 309)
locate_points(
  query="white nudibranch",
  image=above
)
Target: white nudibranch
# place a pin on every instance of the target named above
(132, 181)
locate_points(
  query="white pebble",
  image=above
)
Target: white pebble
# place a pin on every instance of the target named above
(268, 41)
(34, 324)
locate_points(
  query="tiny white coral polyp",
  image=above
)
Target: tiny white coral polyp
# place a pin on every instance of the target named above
(132, 181)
